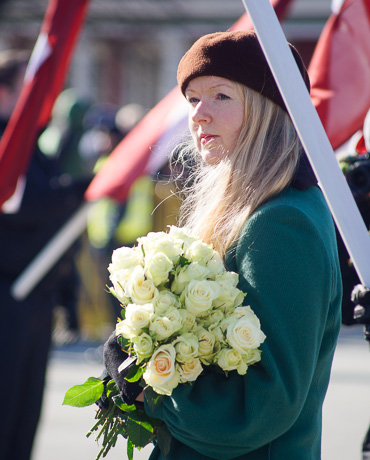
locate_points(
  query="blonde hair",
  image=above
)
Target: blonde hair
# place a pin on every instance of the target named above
(218, 199)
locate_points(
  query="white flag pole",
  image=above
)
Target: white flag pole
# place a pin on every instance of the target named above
(50, 254)
(312, 134)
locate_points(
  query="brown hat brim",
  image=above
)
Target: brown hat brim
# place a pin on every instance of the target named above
(237, 56)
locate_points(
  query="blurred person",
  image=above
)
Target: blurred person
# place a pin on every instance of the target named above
(356, 298)
(62, 136)
(360, 298)
(60, 142)
(48, 200)
(128, 116)
(101, 134)
(112, 224)
(355, 165)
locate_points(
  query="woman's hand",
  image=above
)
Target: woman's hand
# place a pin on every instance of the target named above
(140, 397)
(113, 357)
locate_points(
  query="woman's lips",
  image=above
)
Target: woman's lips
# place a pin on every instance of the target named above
(204, 138)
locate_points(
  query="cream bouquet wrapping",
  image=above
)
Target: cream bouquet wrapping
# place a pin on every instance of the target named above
(182, 313)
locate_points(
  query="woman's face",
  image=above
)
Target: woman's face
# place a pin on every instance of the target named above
(216, 115)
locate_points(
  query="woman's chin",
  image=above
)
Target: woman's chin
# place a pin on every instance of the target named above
(212, 157)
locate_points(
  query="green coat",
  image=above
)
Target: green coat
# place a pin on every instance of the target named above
(287, 262)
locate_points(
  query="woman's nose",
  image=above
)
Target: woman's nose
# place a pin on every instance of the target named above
(201, 113)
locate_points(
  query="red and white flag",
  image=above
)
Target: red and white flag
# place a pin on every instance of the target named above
(44, 80)
(340, 71)
(146, 147)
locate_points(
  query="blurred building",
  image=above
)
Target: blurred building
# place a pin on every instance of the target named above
(129, 49)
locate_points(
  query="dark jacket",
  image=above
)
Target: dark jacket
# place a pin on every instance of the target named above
(48, 202)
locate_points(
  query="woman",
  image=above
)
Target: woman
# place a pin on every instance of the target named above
(255, 199)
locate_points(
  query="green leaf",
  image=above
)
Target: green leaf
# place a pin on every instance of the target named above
(130, 450)
(139, 432)
(164, 439)
(118, 401)
(84, 395)
(140, 428)
(134, 374)
(124, 343)
(111, 388)
(153, 399)
(183, 261)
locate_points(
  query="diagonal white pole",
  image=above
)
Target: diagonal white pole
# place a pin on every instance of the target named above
(312, 134)
(50, 254)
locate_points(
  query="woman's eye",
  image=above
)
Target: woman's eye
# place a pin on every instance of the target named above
(222, 96)
(193, 100)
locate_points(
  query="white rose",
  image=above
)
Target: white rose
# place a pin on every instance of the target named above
(215, 265)
(239, 299)
(137, 317)
(119, 280)
(199, 252)
(215, 317)
(161, 327)
(139, 289)
(126, 331)
(161, 373)
(230, 296)
(125, 257)
(165, 300)
(199, 295)
(225, 323)
(188, 320)
(143, 346)
(156, 242)
(193, 271)
(247, 312)
(229, 359)
(174, 315)
(157, 267)
(186, 347)
(219, 333)
(207, 344)
(244, 335)
(190, 371)
(183, 236)
(253, 356)
(228, 278)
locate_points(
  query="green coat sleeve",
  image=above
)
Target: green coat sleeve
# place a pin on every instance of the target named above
(286, 268)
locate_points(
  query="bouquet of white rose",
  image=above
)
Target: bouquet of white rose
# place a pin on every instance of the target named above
(182, 313)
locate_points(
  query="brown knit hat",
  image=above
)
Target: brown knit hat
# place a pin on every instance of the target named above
(236, 56)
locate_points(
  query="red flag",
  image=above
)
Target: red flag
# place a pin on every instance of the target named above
(340, 71)
(44, 79)
(129, 159)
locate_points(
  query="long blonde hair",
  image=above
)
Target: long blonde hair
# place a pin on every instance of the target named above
(218, 199)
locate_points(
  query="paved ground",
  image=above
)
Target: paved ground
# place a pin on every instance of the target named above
(62, 430)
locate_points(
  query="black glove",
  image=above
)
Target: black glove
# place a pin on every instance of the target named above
(103, 402)
(113, 357)
(360, 296)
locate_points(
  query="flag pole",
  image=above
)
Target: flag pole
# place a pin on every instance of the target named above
(50, 254)
(312, 135)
